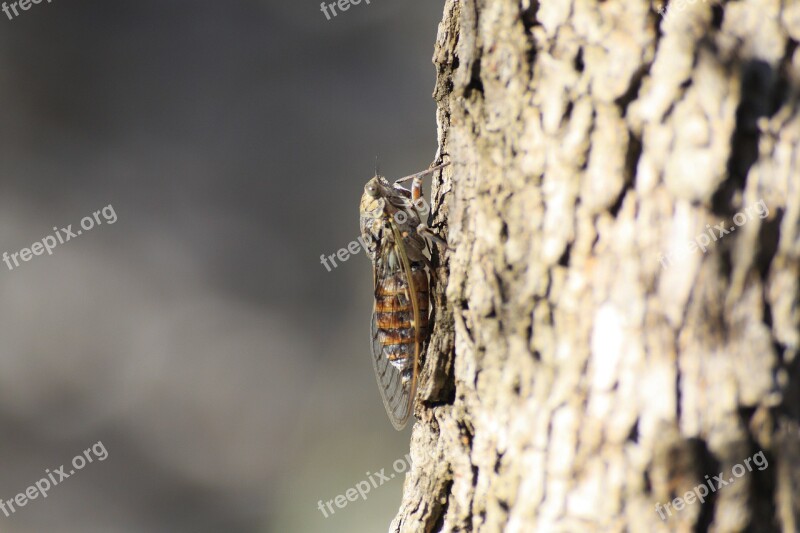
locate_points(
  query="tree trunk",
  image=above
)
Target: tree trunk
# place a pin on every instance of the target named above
(588, 364)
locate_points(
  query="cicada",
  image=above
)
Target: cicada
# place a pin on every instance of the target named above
(397, 241)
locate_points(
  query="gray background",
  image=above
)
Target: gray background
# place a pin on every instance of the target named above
(199, 338)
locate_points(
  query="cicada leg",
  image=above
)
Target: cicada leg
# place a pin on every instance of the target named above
(416, 185)
(428, 233)
(416, 195)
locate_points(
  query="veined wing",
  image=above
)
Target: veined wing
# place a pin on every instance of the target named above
(396, 336)
(397, 398)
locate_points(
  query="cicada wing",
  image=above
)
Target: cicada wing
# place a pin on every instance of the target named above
(400, 313)
(397, 397)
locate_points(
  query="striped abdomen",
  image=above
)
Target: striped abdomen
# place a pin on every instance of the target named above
(397, 332)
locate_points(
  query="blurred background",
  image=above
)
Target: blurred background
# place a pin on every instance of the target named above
(224, 368)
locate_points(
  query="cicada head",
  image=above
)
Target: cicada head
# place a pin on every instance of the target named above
(373, 200)
(372, 214)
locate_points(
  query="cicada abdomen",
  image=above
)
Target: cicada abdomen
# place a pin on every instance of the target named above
(394, 315)
(398, 334)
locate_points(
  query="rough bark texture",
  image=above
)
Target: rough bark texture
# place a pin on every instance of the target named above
(574, 381)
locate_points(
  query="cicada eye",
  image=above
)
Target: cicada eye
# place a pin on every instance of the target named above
(372, 190)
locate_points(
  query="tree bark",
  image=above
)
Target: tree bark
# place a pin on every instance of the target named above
(587, 364)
